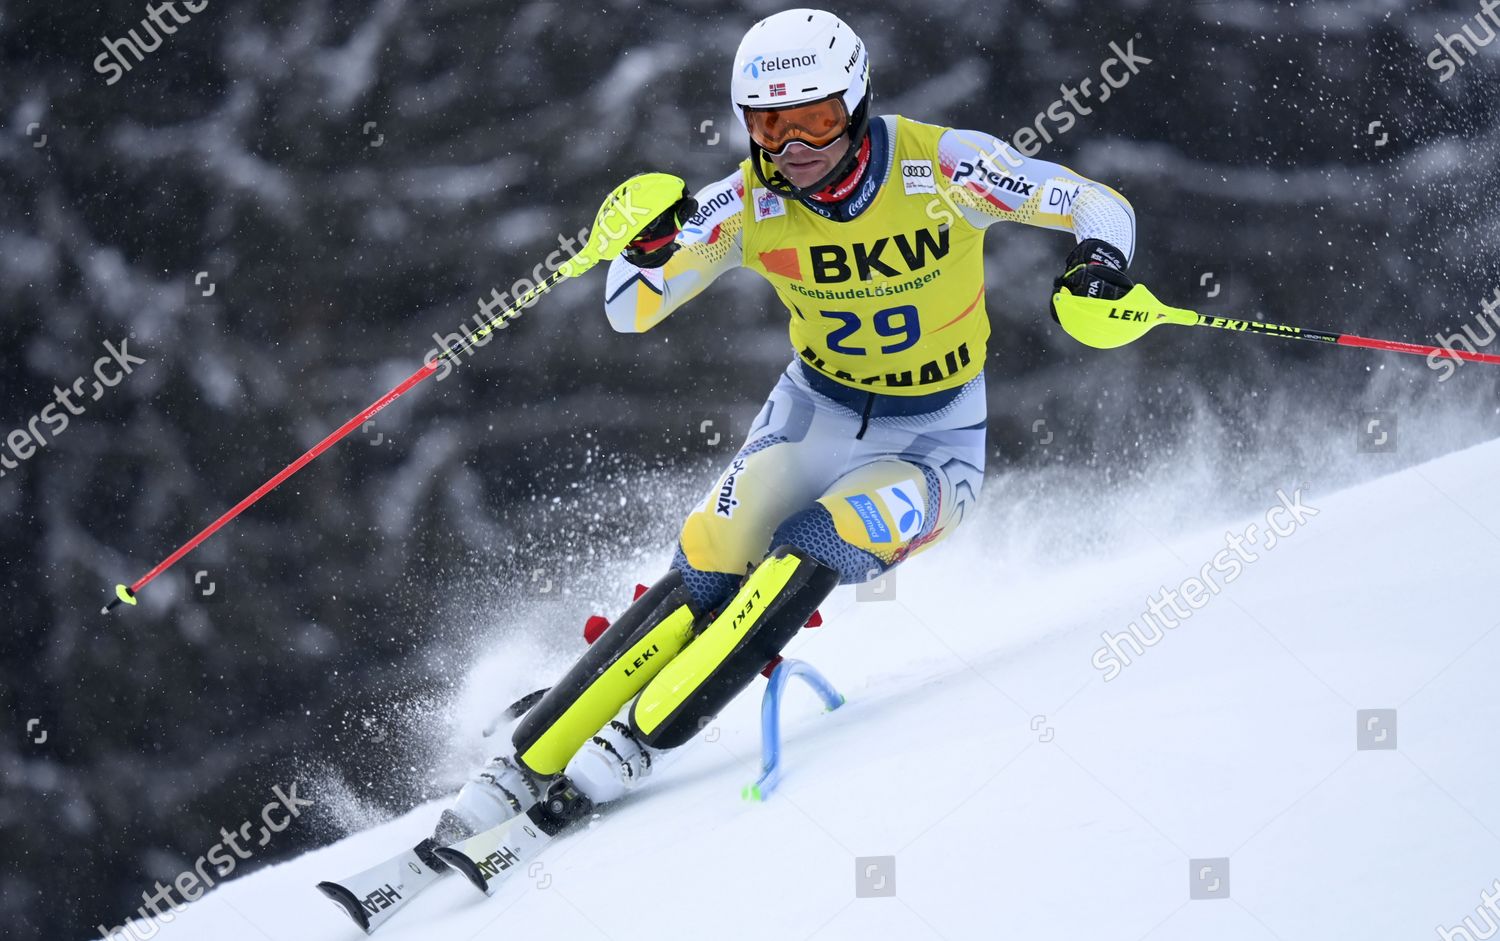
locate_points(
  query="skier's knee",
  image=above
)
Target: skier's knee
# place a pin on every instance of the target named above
(766, 613)
(611, 672)
(884, 512)
(709, 589)
(814, 533)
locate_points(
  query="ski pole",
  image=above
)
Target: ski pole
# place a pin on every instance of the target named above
(1106, 325)
(624, 213)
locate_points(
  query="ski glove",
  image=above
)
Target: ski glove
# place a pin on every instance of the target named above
(1095, 268)
(658, 240)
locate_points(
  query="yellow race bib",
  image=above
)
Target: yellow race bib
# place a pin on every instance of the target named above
(891, 301)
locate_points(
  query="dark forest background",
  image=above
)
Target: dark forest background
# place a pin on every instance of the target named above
(352, 176)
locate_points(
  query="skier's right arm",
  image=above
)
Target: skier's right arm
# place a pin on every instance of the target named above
(638, 298)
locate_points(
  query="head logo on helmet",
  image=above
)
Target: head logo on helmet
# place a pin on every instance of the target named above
(794, 58)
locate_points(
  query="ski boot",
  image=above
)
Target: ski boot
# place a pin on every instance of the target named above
(611, 763)
(502, 789)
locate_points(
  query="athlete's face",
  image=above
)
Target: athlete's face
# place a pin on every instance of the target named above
(805, 166)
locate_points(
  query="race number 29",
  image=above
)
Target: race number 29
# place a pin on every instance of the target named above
(894, 323)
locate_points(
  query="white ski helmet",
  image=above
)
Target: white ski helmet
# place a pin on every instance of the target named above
(798, 57)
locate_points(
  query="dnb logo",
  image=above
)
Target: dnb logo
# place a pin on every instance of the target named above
(1059, 195)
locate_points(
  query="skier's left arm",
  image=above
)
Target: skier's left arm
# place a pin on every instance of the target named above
(988, 181)
(674, 258)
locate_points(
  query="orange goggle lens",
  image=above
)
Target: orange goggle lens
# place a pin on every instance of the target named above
(817, 124)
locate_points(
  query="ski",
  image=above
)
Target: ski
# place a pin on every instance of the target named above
(488, 859)
(373, 896)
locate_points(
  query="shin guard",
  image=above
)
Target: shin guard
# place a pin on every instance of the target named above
(766, 613)
(619, 664)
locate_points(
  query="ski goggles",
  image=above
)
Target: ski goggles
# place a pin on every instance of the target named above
(816, 124)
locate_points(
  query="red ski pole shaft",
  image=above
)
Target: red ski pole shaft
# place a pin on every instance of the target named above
(639, 199)
(1418, 349)
(125, 594)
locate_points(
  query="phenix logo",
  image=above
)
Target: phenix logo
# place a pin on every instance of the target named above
(726, 502)
(1019, 185)
(790, 62)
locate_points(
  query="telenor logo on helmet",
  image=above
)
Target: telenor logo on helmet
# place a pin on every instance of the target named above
(783, 62)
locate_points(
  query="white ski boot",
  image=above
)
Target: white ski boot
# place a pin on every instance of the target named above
(502, 789)
(611, 763)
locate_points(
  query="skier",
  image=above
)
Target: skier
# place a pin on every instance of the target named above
(871, 445)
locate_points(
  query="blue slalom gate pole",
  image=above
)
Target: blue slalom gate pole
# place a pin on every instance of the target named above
(770, 721)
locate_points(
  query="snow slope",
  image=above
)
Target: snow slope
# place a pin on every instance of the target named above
(1023, 796)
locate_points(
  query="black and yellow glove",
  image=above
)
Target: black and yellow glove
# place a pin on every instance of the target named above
(1095, 268)
(658, 240)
